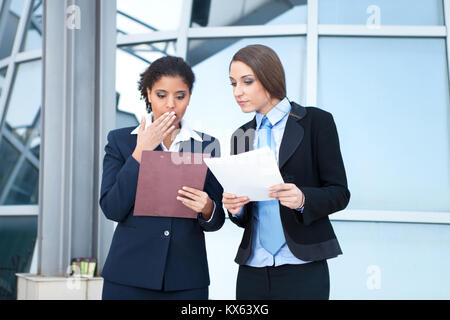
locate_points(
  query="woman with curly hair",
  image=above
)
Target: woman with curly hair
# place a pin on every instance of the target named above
(158, 257)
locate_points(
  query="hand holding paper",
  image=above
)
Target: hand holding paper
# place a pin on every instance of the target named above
(234, 203)
(248, 174)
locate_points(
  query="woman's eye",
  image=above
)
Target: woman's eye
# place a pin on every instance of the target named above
(248, 81)
(233, 84)
(180, 97)
(160, 96)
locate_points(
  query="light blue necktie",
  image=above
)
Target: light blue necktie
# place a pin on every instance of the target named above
(271, 233)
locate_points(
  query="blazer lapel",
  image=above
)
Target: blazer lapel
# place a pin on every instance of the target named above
(242, 139)
(250, 133)
(191, 146)
(293, 134)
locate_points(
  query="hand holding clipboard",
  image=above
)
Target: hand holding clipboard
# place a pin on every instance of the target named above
(162, 175)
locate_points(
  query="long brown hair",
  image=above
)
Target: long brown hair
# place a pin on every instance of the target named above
(267, 67)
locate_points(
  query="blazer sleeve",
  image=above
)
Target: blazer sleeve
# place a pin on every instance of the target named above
(333, 194)
(214, 190)
(119, 182)
(243, 220)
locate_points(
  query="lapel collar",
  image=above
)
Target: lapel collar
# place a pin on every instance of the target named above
(251, 134)
(293, 133)
(292, 137)
(186, 146)
(191, 146)
(242, 139)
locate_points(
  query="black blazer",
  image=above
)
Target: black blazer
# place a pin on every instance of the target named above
(154, 252)
(310, 158)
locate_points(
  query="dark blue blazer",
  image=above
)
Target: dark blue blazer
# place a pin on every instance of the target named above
(154, 252)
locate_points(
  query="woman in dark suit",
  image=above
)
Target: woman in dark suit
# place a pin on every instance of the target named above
(287, 240)
(158, 257)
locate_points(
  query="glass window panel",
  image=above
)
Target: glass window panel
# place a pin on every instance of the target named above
(9, 21)
(384, 12)
(9, 156)
(150, 52)
(16, 7)
(25, 187)
(17, 241)
(391, 261)
(25, 100)
(33, 37)
(2, 80)
(241, 13)
(142, 16)
(212, 108)
(130, 63)
(34, 143)
(390, 100)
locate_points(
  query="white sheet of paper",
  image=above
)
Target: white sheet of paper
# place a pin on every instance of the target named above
(248, 174)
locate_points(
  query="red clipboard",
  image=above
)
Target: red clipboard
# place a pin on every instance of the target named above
(161, 175)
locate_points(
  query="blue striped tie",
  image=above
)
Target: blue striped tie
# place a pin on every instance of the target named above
(271, 233)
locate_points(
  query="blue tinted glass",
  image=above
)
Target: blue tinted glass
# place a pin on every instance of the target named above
(143, 16)
(33, 38)
(8, 158)
(25, 100)
(390, 99)
(391, 261)
(16, 7)
(25, 187)
(8, 26)
(17, 241)
(34, 143)
(389, 12)
(244, 13)
(2, 80)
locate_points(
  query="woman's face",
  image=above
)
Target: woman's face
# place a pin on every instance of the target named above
(169, 94)
(248, 90)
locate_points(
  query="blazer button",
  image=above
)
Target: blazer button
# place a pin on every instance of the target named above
(166, 233)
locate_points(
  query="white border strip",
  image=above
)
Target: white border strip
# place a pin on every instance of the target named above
(30, 210)
(391, 216)
(382, 31)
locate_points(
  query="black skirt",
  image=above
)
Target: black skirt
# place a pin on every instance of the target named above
(116, 291)
(309, 281)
